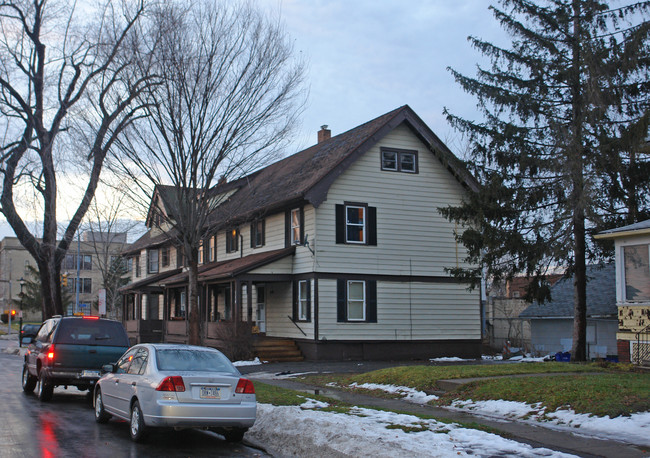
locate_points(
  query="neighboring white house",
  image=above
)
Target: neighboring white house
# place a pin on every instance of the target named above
(632, 245)
(340, 247)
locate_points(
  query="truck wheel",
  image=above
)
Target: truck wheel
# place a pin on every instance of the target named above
(44, 388)
(101, 416)
(137, 428)
(29, 381)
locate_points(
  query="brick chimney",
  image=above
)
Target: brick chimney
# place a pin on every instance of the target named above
(324, 134)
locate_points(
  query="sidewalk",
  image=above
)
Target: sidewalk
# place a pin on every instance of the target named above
(536, 436)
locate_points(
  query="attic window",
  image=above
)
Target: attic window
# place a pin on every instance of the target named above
(396, 160)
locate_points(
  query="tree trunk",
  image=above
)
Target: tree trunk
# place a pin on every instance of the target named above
(193, 298)
(579, 350)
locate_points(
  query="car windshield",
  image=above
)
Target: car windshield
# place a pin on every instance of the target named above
(92, 332)
(193, 360)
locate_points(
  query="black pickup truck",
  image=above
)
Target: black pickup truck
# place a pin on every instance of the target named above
(71, 351)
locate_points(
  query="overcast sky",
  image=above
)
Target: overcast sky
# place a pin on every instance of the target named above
(367, 57)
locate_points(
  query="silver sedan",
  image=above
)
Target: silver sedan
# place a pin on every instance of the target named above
(182, 386)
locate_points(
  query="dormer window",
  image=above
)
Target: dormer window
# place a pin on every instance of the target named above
(295, 226)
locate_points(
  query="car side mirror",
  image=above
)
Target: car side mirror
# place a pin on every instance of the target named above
(108, 368)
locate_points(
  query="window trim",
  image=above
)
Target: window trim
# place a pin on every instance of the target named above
(165, 256)
(398, 160)
(153, 262)
(364, 226)
(258, 228)
(307, 301)
(364, 300)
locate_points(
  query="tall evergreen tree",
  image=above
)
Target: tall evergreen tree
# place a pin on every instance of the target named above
(551, 146)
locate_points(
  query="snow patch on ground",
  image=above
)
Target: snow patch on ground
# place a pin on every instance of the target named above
(634, 429)
(409, 394)
(255, 362)
(293, 431)
(313, 404)
(449, 359)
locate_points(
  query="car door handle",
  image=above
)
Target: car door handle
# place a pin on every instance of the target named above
(92, 351)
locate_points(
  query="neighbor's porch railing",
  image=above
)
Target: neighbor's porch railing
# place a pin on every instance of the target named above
(641, 352)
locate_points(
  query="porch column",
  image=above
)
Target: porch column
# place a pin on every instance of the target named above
(238, 305)
(249, 300)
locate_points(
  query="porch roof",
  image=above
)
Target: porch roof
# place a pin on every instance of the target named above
(233, 267)
(148, 282)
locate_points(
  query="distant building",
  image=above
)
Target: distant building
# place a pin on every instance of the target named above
(82, 265)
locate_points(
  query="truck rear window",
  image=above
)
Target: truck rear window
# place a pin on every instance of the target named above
(92, 332)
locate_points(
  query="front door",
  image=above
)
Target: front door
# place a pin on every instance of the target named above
(261, 308)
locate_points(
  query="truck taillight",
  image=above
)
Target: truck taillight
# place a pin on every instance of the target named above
(172, 383)
(245, 386)
(50, 353)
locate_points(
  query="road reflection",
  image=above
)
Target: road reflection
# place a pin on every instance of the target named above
(49, 445)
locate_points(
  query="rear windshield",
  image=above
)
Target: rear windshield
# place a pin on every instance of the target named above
(193, 360)
(92, 332)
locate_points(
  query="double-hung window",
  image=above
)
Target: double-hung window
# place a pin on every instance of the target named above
(257, 234)
(232, 241)
(396, 160)
(153, 261)
(636, 262)
(356, 300)
(356, 223)
(303, 300)
(295, 226)
(164, 255)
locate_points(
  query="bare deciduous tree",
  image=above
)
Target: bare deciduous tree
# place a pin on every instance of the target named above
(66, 88)
(231, 92)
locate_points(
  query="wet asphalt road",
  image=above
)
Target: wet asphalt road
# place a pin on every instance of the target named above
(65, 427)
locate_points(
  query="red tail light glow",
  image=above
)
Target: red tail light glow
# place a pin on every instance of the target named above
(88, 317)
(245, 386)
(173, 383)
(50, 353)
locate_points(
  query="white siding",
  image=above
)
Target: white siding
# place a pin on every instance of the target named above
(281, 266)
(406, 311)
(279, 308)
(413, 238)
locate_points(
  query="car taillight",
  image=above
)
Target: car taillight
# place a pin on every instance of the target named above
(245, 386)
(90, 317)
(50, 353)
(172, 383)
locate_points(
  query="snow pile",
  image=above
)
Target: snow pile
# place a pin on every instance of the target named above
(634, 429)
(293, 431)
(449, 359)
(409, 394)
(492, 358)
(254, 362)
(313, 404)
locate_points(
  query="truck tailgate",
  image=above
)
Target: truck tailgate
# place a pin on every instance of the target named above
(85, 356)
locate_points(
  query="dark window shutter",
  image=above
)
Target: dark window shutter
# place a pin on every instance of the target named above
(340, 223)
(148, 261)
(263, 232)
(294, 311)
(372, 225)
(341, 295)
(308, 300)
(371, 301)
(253, 235)
(287, 229)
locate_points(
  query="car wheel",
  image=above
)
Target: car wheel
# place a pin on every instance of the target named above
(29, 381)
(234, 434)
(137, 428)
(101, 416)
(44, 388)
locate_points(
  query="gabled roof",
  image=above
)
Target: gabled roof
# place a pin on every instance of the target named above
(149, 282)
(308, 175)
(601, 296)
(147, 241)
(642, 227)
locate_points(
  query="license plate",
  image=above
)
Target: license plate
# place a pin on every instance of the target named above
(210, 392)
(90, 373)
